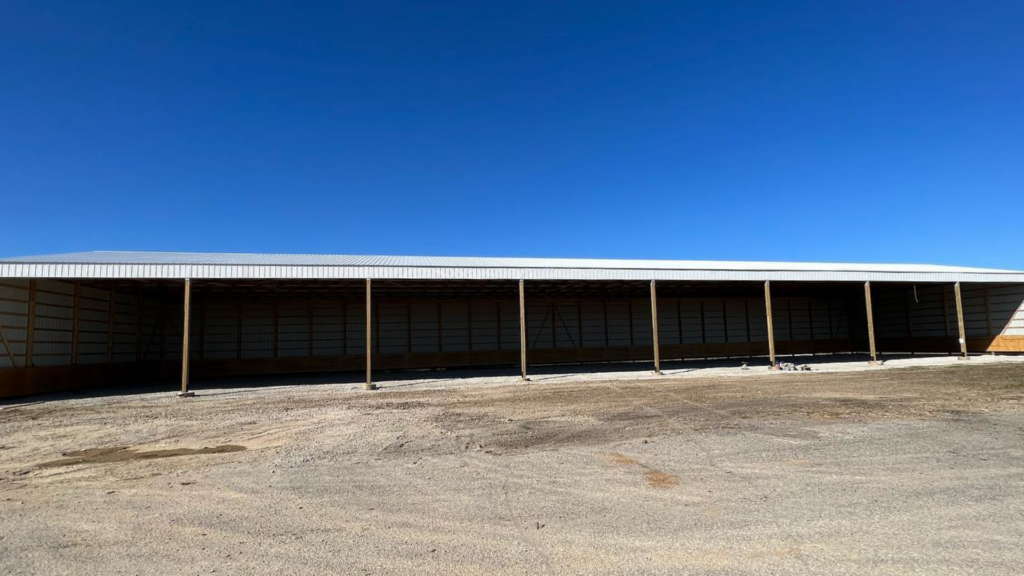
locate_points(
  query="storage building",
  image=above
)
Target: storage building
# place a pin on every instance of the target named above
(81, 320)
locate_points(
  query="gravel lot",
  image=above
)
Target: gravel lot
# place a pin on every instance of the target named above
(913, 468)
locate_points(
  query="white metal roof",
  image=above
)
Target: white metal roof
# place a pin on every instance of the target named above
(170, 265)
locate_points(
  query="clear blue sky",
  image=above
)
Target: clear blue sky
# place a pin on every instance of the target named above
(819, 130)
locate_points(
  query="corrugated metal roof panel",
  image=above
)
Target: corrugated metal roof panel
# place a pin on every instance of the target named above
(221, 265)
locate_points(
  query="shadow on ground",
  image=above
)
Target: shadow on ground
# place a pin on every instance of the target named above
(404, 378)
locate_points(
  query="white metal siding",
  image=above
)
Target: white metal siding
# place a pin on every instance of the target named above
(271, 266)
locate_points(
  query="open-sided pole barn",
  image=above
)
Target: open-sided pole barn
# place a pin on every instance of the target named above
(103, 318)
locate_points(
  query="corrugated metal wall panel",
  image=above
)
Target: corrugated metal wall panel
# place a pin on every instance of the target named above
(714, 321)
(220, 331)
(510, 325)
(329, 329)
(927, 312)
(567, 326)
(692, 314)
(800, 319)
(620, 325)
(758, 320)
(394, 327)
(820, 328)
(455, 326)
(54, 315)
(540, 326)
(975, 316)
(258, 330)
(592, 319)
(93, 325)
(1006, 304)
(485, 320)
(425, 332)
(668, 322)
(780, 319)
(293, 330)
(890, 312)
(173, 323)
(642, 326)
(355, 327)
(736, 321)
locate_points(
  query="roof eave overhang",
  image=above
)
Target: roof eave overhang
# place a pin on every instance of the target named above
(321, 272)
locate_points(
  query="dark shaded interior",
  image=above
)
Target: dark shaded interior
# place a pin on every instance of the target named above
(75, 334)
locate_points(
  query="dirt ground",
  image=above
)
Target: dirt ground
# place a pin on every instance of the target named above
(917, 469)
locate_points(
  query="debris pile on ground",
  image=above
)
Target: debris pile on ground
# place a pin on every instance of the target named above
(790, 367)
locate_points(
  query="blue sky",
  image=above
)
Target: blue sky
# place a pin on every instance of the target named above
(822, 131)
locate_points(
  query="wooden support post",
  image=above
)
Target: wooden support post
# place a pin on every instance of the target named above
(369, 339)
(30, 334)
(960, 322)
(522, 328)
(768, 316)
(654, 327)
(871, 323)
(184, 341)
(75, 320)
